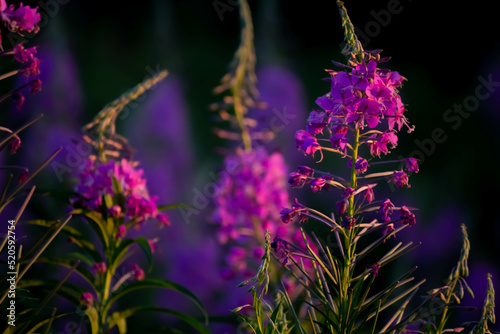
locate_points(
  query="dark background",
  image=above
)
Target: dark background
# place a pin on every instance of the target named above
(441, 50)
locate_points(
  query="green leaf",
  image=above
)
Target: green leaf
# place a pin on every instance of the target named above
(121, 253)
(68, 263)
(74, 235)
(91, 312)
(120, 321)
(153, 283)
(123, 315)
(70, 292)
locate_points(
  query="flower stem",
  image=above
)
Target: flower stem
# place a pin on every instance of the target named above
(349, 246)
(245, 55)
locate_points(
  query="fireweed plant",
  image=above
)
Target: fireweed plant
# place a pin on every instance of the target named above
(359, 120)
(252, 188)
(111, 196)
(17, 254)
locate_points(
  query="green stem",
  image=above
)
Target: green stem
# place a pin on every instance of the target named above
(349, 244)
(445, 311)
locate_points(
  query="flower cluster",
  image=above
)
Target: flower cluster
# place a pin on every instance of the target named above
(114, 178)
(249, 197)
(17, 21)
(362, 108)
(24, 18)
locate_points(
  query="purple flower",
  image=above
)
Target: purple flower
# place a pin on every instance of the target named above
(348, 193)
(115, 211)
(137, 273)
(369, 195)
(407, 217)
(349, 222)
(317, 184)
(87, 299)
(96, 179)
(307, 143)
(374, 269)
(99, 268)
(23, 18)
(411, 164)
(342, 206)
(297, 180)
(304, 170)
(15, 144)
(287, 215)
(386, 209)
(361, 164)
(317, 121)
(121, 231)
(400, 178)
(280, 246)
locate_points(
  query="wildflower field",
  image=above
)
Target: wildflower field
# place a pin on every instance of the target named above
(234, 167)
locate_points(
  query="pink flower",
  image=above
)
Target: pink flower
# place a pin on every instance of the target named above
(115, 211)
(369, 195)
(361, 164)
(407, 217)
(307, 143)
(400, 178)
(23, 18)
(87, 299)
(317, 184)
(163, 219)
(23, 177)
(386, 209)
(137, 272)
(342, 206)
(297, 180)
(15, 144)
(411, 164)
(36, 86)
(99, 267)
(121, 231)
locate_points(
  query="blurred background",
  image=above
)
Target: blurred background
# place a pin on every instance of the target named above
(91, 54)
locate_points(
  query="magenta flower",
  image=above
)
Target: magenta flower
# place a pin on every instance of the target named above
(297, 180)
(137, 273)
(249, 199)
(115, 211)
(23, 18)
(99, 268)
(361, 165)
(411, 164)
(15, 144)
(407, 217)
(317, 184)
(400, 179)
(280, 246)
(96, 179)
(386, 209)
(87, 299)
(374, 269)
(304, 170)
(307, 143)
(342, 206)
(122, 230)
(349, 222)
(369, 195)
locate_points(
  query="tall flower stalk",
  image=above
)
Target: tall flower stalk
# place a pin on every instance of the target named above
(359, 120)
(113, 198)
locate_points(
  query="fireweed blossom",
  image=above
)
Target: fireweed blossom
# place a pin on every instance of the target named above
(362, 109)
(248, 200)
(97, 179)
(23, 19)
